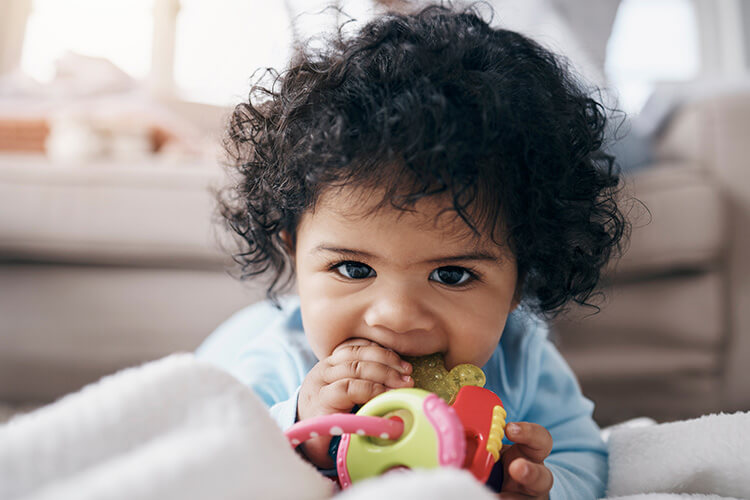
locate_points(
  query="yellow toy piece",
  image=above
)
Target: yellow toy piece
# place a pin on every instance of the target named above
(497, 432)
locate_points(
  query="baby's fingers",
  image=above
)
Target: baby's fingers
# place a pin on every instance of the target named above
(366, 370)
(532, 440)
(534, 479)
(343, 394)
(366, 350)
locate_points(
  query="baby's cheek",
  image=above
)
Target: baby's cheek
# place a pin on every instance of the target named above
(324, 334)
(321, 345)
(319, 324)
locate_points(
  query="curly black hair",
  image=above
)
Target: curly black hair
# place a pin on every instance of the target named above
(485, 116)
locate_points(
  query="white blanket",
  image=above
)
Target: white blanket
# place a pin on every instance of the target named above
(707, 455)
(179, 428)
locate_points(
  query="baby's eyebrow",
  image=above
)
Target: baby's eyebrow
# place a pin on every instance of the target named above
(344, 251)
(477, 255)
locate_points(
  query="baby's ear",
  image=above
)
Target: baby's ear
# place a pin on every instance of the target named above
(516, 301)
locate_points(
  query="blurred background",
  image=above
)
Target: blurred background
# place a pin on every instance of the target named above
(111, 113)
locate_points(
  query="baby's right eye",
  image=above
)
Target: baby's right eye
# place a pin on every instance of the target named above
(354, 270)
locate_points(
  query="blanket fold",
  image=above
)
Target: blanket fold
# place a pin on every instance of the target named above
(179, 428)
(709, 455)
(173, 428)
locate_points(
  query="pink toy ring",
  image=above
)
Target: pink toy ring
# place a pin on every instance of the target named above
(344, 423)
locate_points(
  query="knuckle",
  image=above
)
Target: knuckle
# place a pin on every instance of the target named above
(360, 390)
(392, 358)
(548, 442)
(355, 368)
(352, 388)
(393, 355)
(347, 386)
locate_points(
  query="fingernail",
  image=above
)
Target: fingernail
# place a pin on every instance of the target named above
(513, 429)
(405, 366)
(406, 378)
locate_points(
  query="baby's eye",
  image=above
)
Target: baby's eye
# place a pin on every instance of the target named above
(355, 270)
(451, 275)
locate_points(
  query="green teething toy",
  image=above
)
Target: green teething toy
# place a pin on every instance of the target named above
(429, 373)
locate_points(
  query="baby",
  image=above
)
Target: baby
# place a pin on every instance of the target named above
(432, 185)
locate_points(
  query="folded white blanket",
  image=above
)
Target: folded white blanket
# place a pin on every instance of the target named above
(175, 428)
(707, 455)
(671, 496)
(179, 428)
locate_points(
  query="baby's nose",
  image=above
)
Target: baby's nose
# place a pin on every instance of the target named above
(399, 311)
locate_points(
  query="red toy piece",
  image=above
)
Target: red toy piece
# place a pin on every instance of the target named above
(482, 414)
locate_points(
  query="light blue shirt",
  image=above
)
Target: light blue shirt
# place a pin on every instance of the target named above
(266, 349)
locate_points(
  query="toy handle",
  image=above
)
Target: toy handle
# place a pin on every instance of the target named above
(340, 423)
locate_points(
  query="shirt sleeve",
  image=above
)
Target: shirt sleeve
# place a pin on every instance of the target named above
(578, 460)
(266, 350)
(285, 412)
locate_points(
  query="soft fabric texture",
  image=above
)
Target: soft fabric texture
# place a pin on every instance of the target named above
(708, 455)
(436, 484)
(179, 429)
(670, 496)
(175, 428)
(266, 348)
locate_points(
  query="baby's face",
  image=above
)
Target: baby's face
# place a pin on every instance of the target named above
(414, 282)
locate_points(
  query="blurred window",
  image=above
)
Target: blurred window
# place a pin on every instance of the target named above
(120, 30)
(652, 41)
(219, 44)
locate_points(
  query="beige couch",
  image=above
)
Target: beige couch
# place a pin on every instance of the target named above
(105, 266)
(673, 338)
(102, 267)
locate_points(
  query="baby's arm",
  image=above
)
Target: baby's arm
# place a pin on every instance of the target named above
(265, 348)
(353, 374)
(578, 458)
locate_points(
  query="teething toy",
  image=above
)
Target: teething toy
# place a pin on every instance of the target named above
(414, 428)
(429, 373)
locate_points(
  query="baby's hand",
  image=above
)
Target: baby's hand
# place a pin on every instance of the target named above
(356, 371)
(524, 473)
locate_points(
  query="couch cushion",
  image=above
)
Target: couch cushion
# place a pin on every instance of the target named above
(65, 326)
(656, 348)
(681, 227)
(141, 213)
(683, 313)
(668, 398)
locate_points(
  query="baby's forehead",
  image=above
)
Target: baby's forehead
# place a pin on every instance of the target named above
(434, 213)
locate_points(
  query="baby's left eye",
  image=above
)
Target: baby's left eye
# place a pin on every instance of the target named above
(451, 275)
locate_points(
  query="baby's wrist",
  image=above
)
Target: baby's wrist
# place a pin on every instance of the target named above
(316, 452)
